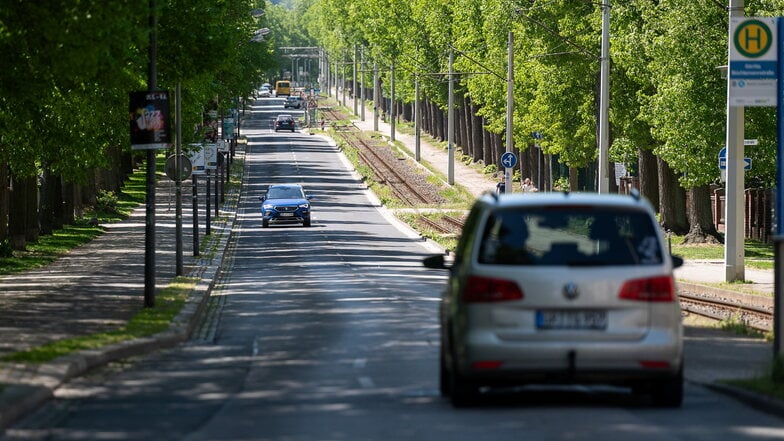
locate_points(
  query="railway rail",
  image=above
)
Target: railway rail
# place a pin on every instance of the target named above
(757, 317)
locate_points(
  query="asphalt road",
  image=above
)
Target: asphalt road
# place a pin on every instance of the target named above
(330, 333)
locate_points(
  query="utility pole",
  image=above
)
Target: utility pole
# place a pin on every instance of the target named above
(376, 97)
(450, 127)
(149, 239)
(392, 103)
(354, 85)
(362, 82)
(733, 216)
(179, 270)
(604, 100)
(509, 110)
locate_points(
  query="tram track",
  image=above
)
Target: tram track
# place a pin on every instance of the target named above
(729, 306)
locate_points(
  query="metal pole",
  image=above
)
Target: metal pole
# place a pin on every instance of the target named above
(734, 224)
(604, 98)
(343, 78)
(195, 204)
(392, 103)
(417, 121)
(178, 185)
(778, 237)
(376, 97)
(450, 126)
(362, 82)
(354, 85)
(509, 110)
(149, 240)
(207, 199)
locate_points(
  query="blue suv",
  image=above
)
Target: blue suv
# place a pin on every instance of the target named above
(285, 203)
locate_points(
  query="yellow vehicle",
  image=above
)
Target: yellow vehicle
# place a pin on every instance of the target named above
(282, 87)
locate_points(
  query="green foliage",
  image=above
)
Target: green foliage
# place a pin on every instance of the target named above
(106, 201)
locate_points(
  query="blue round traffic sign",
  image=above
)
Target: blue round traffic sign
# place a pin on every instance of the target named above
(508, 159)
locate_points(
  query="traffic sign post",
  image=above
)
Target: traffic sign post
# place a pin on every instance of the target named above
(778, 237)
(508, 160)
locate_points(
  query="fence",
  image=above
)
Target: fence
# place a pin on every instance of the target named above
(758, 212)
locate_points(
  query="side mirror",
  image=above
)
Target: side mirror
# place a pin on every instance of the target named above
(434, 262)
(308, 196)
(262, 198)
(677, 261)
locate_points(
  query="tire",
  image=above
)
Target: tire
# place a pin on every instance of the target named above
(306, 222)
(264, 223)
(444, 381)
(668, 393)
(463, 393)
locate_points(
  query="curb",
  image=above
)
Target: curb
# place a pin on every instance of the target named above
(754, 400)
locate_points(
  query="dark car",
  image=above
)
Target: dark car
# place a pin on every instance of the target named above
(285, 203)
(285, 122)
(561, 288)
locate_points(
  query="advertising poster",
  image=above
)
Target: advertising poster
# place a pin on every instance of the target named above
(150, 120)
(196, 155)
(211, 156)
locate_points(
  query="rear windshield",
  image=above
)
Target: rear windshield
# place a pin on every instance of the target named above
(574, 236)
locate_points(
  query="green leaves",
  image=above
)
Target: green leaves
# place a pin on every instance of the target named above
(69, 65)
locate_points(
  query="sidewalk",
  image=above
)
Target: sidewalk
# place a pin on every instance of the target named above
(100, 286)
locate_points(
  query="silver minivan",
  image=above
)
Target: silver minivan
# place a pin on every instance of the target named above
(561, 288)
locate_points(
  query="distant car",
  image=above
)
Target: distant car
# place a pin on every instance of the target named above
(264, 92)
(285, 203)
(285, 122)
(294, 102)
(561, 288)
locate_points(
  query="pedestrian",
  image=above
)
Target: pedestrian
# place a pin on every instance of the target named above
(528, 187)
(500, 188)
(323, 122)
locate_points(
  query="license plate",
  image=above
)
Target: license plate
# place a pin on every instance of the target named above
(571, 319)
(286, 214)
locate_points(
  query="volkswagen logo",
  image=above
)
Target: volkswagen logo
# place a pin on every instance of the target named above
(570, 291)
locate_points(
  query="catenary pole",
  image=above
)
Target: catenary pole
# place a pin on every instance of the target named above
(604, 99)
(733, 242)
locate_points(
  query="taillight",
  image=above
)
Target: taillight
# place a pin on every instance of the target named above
(653, 289)
(486, 289)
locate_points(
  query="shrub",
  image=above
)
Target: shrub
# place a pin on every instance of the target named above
(106, 201)
(5, 249)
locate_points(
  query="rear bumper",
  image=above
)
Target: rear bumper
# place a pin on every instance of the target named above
(654, 357)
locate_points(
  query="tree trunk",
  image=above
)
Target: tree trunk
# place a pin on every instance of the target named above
(672, 200)
(49, 198)
(649, 177)
(573, 178)
(476, 135)
(701, 229)
(4, 201)
(487, 145)
(32, 225)
(68, 203)
(16, 215)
